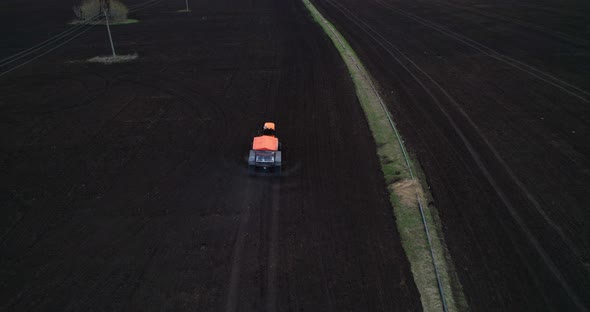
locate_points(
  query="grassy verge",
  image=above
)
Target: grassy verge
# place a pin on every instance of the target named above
(113, 59)
(127, 21)
(123, 22)
(405, 187)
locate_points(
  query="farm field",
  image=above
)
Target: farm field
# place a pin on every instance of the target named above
(125, 187)
(492, 98)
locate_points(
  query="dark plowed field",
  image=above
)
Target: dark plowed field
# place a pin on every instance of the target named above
(124, 187)
(492, 97)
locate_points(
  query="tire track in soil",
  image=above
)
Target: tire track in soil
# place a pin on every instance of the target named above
(478, 159)
(236, 263)
(562, 85)
(519, 184)
(264, 197)
(89, 142)
(68, 202)
(534, 274)
(528, 25)
(273, 261)
(212, 238)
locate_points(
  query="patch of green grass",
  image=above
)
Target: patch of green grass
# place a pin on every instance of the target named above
(127, 21)
(124, 22)
(391, 171)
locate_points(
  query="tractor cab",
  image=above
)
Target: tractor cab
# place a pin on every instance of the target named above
(267, 141)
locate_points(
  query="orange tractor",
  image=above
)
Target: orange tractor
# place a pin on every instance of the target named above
(265, 151)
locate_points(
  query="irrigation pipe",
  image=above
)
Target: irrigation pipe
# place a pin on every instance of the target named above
(438, 280)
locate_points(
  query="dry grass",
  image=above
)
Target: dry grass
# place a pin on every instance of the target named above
(406, 191)
(415, 242)
(113, 59)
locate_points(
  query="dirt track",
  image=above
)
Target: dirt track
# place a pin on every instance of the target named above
(492, 98)
(125, 187)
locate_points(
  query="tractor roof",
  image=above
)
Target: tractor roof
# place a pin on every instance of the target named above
(265, 143)
(269, 125)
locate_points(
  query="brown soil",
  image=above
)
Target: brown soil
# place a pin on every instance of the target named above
(492, 97)
(125, 186)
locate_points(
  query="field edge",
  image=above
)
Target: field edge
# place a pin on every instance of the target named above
(404, 177)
